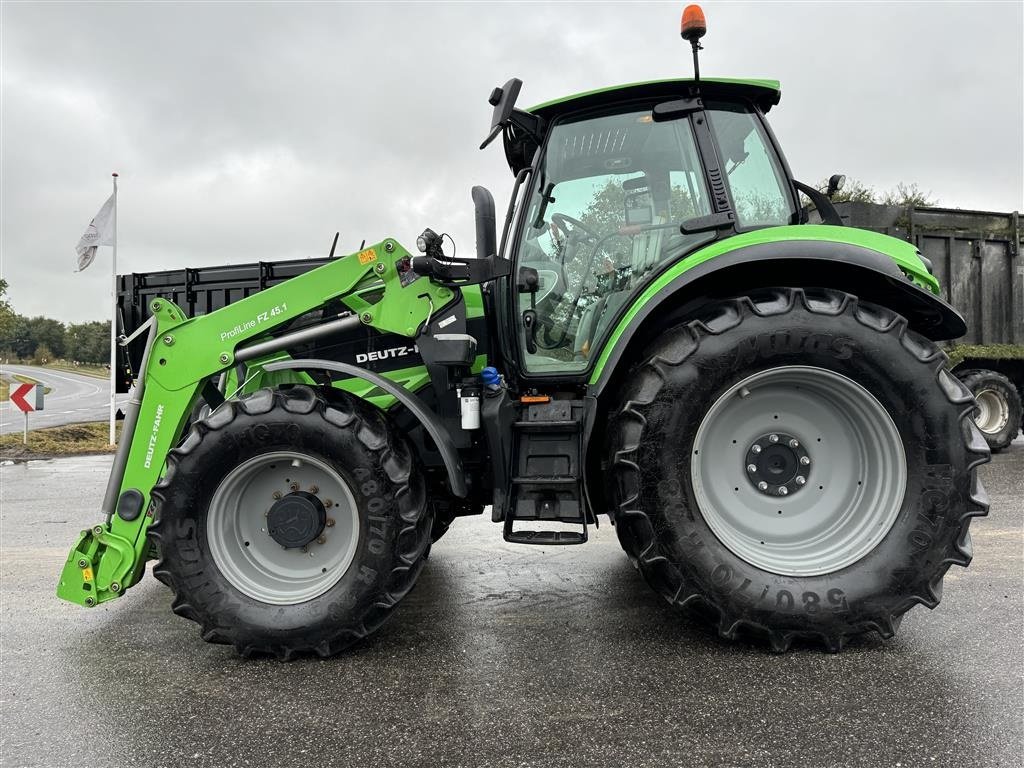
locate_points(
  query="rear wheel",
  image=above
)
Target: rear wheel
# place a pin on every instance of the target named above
(800, 462)
(998, 414)
(288, 524)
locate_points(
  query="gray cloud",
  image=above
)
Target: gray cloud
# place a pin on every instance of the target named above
(254, 131)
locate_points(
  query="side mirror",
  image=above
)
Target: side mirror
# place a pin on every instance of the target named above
(835, 183)
(486, 232)
(503, 100)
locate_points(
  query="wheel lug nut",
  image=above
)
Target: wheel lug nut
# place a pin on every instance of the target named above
(322, 540)
(314, 489)
(801, 480)
(794, 443)
(755, 449)
(773, 438)
(762, 486)
(783, 490)
(751, 467)
(294, 486)
(805, 460)
(330, 522)
(277, 494)
(328, 503)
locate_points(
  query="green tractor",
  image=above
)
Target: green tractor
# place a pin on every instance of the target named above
(756, 402)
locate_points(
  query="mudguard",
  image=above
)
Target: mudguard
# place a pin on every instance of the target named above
(875, 267)
(433, 425)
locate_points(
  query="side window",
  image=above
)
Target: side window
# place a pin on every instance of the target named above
(603, 218)
(753, 171)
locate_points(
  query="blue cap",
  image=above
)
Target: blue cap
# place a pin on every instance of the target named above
(490, 376)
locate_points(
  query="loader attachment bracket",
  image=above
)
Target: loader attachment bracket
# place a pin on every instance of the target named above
(87, 584)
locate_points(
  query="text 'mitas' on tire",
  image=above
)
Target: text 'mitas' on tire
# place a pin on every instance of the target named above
(800, 462)
(290, 524)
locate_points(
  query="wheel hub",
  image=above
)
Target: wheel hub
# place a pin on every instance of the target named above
(798, 523)
(296, 520)
(777, 464)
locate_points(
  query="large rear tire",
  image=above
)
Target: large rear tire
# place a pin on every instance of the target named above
(287, 524)
(799, 461)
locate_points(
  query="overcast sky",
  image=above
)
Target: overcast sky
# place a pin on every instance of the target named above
(245, 131)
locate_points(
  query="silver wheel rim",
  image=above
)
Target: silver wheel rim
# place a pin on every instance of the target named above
(992, 413)
(243, 548)
(854, 477)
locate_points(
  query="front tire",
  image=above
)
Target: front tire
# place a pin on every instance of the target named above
(831, 499)
(289, 524)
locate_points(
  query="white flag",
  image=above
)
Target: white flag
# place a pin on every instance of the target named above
(99, 232)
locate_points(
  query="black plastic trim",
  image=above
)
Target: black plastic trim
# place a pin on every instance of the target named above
(129, 504)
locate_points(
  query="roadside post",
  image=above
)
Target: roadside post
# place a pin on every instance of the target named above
(28, 397)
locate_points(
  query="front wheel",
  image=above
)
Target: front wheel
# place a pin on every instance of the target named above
(799, 461)
(288, 523)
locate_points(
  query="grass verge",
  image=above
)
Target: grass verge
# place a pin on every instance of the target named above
(67, 440)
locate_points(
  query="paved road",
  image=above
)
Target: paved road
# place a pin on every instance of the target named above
(502, 656)
(73, 399)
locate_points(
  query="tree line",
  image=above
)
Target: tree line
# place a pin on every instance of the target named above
(44, 340)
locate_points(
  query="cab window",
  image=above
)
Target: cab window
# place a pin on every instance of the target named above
(603, 217)
(755, 176)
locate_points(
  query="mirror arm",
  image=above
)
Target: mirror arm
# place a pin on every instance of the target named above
(829, 214)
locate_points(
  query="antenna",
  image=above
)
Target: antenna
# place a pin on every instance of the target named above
(333, 245)
(692, 27)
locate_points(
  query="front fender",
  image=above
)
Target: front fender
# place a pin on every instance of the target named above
(434, 427)
(875, 267)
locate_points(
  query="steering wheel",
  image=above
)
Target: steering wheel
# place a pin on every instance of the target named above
(560, 220)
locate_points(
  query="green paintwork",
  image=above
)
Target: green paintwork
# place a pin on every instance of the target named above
(768, 85)
(903, 253)
(187, 352)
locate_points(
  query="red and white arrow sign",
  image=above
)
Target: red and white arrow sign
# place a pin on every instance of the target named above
(28, 397)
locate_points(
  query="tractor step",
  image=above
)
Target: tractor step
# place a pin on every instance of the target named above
(569, 481)
(548, 426)
(547, 483)
(546, 537)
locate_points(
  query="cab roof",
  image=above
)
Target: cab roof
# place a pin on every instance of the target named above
(764, 93)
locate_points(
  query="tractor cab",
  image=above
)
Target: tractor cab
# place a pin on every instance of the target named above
(622, 182)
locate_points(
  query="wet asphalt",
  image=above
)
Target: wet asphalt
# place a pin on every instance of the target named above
(502, 656)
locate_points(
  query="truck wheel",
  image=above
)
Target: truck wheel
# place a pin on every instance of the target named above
(998, 414)
(287, 525)
(799, 461)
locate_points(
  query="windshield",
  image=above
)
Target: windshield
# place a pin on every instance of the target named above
(603, 215)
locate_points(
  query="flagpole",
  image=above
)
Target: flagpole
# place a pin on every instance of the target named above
(113, 318)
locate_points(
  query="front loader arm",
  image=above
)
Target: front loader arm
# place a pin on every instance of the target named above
(184, 357)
